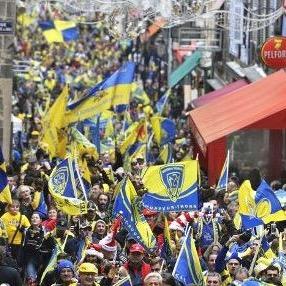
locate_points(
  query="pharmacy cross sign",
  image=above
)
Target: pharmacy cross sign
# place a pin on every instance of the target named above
(273, 52)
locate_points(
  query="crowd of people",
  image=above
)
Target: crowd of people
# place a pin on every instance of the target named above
(55, 248)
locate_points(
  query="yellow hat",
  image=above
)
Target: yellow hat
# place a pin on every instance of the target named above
(35, 133)
(87, 268)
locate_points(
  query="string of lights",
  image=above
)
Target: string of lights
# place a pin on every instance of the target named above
(129, 18)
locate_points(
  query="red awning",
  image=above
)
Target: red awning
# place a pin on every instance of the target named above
(261, 104)
(202, 100)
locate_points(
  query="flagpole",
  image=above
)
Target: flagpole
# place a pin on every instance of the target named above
(255, 256)
(181, 251)
(227, 169)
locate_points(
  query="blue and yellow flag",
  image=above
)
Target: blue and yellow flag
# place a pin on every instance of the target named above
(126, 205)
(166, 251)
(41, 206)
(188, 268)
(67, 188)
(52, 139)
(5, 193)
(164, 129)
(258, 207)
(268, 207)
(166, 153)
(114, 90)
(223, 179)
(255, 282)
(137, 150)
(126, 281)
(137, 133)
(161, 103)
(172, 187)
(59, 31)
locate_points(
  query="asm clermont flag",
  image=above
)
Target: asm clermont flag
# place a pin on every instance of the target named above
(67, 188)
(125, 204)
(172, 187)
(188, 268)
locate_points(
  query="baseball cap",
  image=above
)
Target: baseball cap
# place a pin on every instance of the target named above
(87, 268)
(136, 248)
(64, 263)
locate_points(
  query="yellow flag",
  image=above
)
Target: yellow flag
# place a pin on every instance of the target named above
(52, 122)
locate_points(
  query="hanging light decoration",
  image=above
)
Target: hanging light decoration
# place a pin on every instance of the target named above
(129, 18)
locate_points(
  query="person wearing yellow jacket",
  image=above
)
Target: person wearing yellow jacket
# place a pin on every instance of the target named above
(15, 224)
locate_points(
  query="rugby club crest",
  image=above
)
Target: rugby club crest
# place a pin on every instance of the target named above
(59, 180)
(172, 177)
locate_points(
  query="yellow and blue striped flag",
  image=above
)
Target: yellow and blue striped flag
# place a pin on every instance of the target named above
(67, 188)
(172, 187)
(5, 193)
(112, 91)
(59, 31)
(223, 179)
(126, 205)
(188, 268)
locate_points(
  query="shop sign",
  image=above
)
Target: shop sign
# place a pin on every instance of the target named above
(273, 52)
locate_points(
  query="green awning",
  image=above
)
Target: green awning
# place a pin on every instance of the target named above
(186, 67)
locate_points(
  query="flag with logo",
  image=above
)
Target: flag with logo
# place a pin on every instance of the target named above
(112, 91)
(5, 193)
(67, 188)
(172, 187)
(188, 268)
(223, 180)
(126, 205)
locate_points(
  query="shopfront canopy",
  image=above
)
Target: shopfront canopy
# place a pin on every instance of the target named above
(261, 104)
(185, 68)
(207, 98)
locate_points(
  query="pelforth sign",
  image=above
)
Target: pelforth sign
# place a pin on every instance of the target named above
(273, 52)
